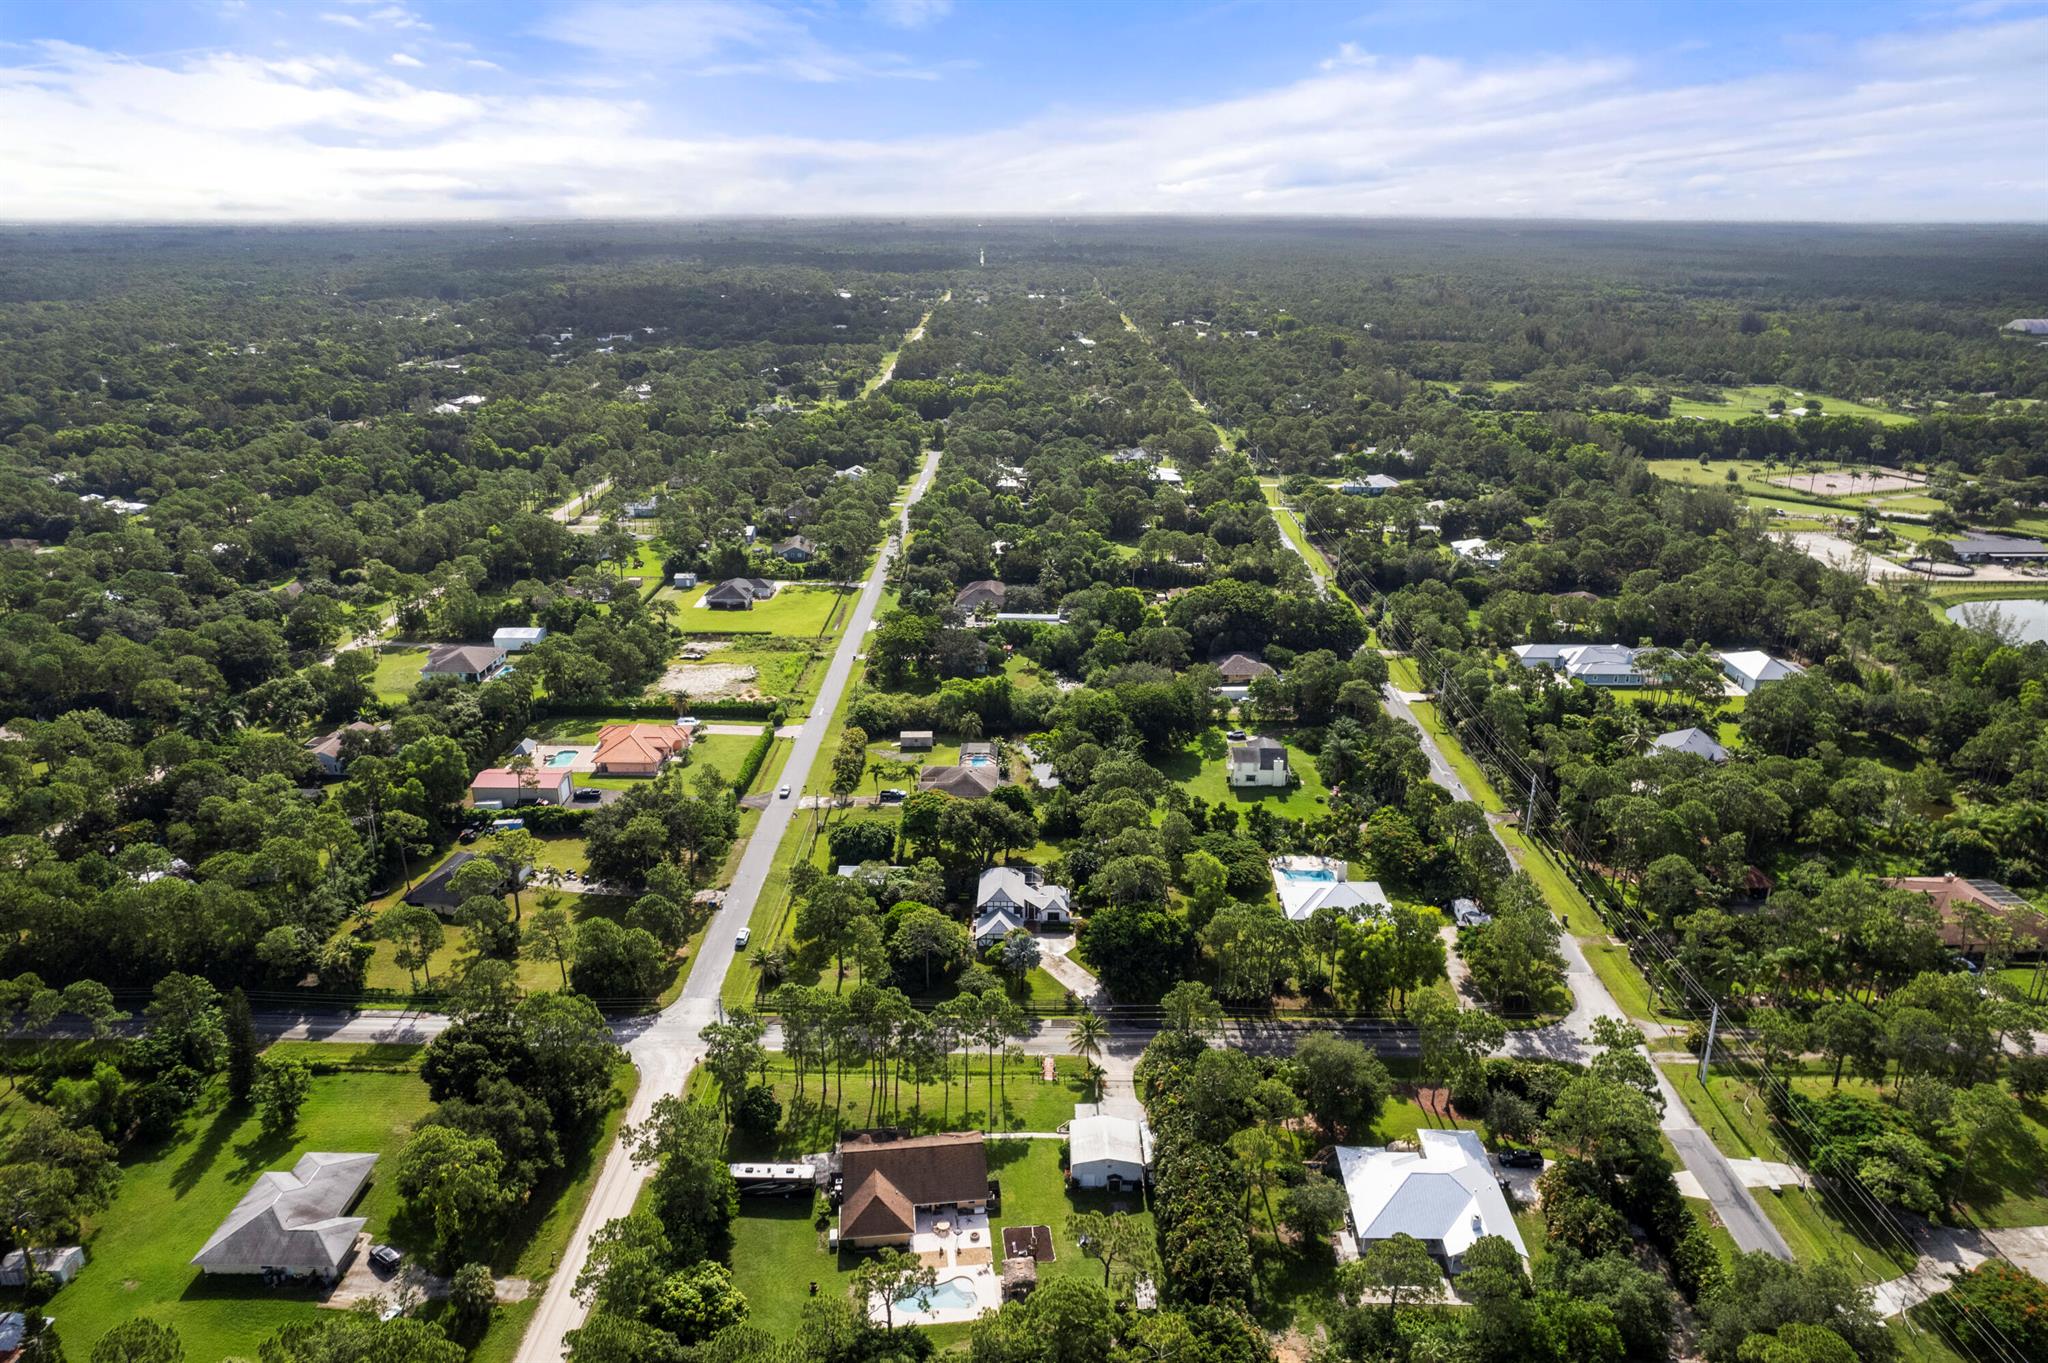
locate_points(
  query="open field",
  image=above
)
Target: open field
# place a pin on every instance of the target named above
(797, 610)
(398, 672)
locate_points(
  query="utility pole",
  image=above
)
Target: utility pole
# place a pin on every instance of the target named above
(1529, 814)
(1707, 1051)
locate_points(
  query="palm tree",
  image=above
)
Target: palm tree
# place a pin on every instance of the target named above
(1090, 1031)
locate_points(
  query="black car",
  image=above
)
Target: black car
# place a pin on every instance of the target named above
(1515, 1157)
(468, 835)
(385, 1258)
(891, 796)
(586, 793)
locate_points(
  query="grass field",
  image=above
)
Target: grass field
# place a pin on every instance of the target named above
(797, 610)
(1755, 400)
(174, 1195)
(398, 672)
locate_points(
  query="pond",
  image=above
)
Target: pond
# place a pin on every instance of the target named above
(2028, 618)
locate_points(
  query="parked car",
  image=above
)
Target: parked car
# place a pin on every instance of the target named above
(689, 722)
(1519, 1157)
(385, 1259)
(1237, 735)
(469, 835)
(742, 937)
(891, 796)
(587, 793)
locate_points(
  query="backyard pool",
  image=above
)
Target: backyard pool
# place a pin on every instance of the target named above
(954, 1294)
(564, 757)
(1322, 875)
(980, 759)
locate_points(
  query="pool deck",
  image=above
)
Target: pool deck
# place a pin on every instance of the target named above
(982, 1281)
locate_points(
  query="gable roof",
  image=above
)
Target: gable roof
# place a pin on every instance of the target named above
(1259, 751)
(1759, 666)
(463, 658)
(1695, 741)
(639, 744)
(886, 1180)
(1443, 1192)
(293, 1220)
(741, 589)
(1094, 1138)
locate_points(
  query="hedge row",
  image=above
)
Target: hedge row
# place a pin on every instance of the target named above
(657, 709)
(750, 765)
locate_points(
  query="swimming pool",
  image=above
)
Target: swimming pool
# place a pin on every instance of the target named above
(565, 758)
(954, 1294)
(1320, 874)
(977, 760)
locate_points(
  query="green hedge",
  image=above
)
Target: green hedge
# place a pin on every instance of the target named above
(656, 709)
(750, 765)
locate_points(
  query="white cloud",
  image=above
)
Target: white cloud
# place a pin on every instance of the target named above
(406, 59)
(715, 37)
(909, 13)
(1942, 127)
(343, 20)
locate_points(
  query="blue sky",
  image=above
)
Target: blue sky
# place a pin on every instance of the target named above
(377, 109)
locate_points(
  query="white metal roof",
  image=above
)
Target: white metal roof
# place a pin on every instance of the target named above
(1098, 1138)
(1443, 1192)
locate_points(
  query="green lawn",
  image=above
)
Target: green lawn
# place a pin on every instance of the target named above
(398, 672)
(174, 1195)
(1201, 766)
(797, 610)
(1024, 1101)
(1755, 399)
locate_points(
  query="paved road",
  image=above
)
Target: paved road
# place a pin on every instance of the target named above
(667, 1045)
(573, 509)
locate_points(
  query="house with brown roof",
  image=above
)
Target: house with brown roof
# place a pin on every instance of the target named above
(975, 595)
(637, 749)
(1973, 912)
(1242, 669)
(326, 748)
(886, 1182)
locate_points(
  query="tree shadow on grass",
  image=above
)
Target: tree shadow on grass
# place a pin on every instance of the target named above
(262, 1151)
(202, 1155)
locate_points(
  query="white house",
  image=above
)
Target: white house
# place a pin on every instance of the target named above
(1751, 668)
(1442, 1193)
(1017, 897)
(1258, 761)
(1306, 884)
(515, 637)
(1695, 741)
(1476, 551)
(1107, 1150)
(1593, 664)
(1166, 475)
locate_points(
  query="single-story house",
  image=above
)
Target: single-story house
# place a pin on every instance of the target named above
(1749, 669)
(1242, 669)
(326, 748)
(885, 1181)
(1443, 1193)
(434, 890)
(642, 508)
(965, 783)
(1593, 664)
(1981, 548)
(293, 1223)
(1466, 913)
(1372, 485)
(797, 549)
(1306, 884)
(465, 662)
(682, 579)
(61, 1264)
(1258, 761)
(1698, 742)
(975, 595)
(1967, 907)
(739, 593)
(1030, 617)
(1476, 551)
(540, 786)
(852, 471)
(914, 740)
(1107, 1151)
(637, 749)
(1017, 896)
(1166, 475)
(515, 637)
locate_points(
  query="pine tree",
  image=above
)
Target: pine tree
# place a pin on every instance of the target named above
(241, 1029)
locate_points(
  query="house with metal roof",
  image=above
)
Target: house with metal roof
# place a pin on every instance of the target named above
(1108, 1150)
(1593, 664)
(512, 638)
(1372, 485)
(1750, 668)
(293, 1223)
(1698, 742)
(1981, 548)
(1442, 1193)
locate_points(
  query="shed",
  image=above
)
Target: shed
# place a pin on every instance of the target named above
(61, 1264)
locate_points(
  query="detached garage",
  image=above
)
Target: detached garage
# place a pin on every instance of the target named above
(1107, 1151)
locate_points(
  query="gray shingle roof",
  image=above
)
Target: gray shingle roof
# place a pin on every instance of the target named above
(292, 1220)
